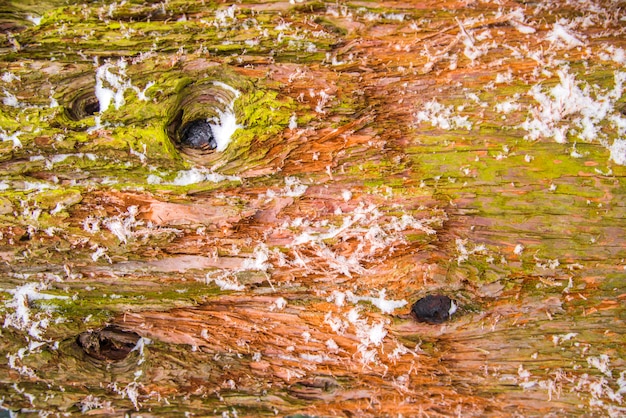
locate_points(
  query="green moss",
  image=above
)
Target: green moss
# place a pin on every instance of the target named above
(310, 7)
(8, 122)
(264, 108)
(50, 199)
(101, 301)
(330, 25)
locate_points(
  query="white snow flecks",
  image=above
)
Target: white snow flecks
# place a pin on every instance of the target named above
(35, 20)
(374, 235)
(386, 306)
(293, 122)
(557, 339)
(394, 16)
(125, 226)
(259, 260)
(10, 99)
(507, 106)
(225, 16)
(224, 280)
(122, 226)
(227, 279)
(407, 221)
(464, 250)
(51, 160)
(472, 49)
(612, 53)
(112, 83)
(21, 317)
(14, 137)
(337, 297)
(442, 116)
(602, 363)
(562, 35)
(369, 335)
(278, 304)
(154, 179)
(130, 391)
(338, 326)
(99, 253)
(9, 77)
(142, 342)
(518, 21)
(324, 99)
(93, 402)
(574, 107)
(294, 187)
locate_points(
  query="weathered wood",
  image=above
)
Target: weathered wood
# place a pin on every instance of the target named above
(385, 152)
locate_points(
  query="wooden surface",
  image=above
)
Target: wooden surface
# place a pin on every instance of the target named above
(387, 151)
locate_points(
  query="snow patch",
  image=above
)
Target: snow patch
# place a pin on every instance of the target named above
(618, 151)
(562, 35)
(8, 77)
(10, 100)
(199, 175)
(14, 137)
(21, 317)
(35, 20)
(224, 127)
(112, 83)
(575, 107)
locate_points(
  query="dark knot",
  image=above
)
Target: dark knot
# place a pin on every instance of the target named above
(198, 134)
(109, 343)
(434, 309)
